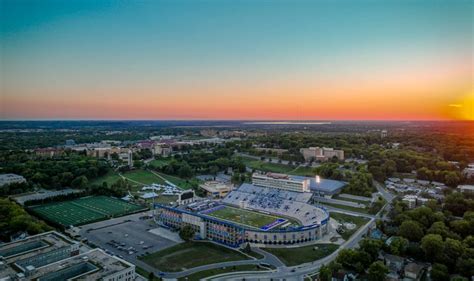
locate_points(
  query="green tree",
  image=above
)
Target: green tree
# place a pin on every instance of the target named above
(80, 182)
(325, 273)
(411, 230)
(439, 272)
(186, 233)
(432, 245)
(377, 271)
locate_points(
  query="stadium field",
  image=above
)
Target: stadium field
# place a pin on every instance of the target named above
(85, 210)
(241, 216)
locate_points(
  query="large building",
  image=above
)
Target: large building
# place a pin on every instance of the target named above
(281, 181)
(216, 189)
(21, 258)
(321, 154)
(92, 265)
(6, 179)
(316, 185)
(268, 212)
(52, 256)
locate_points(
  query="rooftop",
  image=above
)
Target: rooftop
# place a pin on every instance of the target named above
(34, 245)
(93, 265)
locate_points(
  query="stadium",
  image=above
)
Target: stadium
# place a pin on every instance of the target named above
(274, 210)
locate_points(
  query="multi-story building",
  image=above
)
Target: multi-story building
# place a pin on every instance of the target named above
(6, 179)
(321, 154)
(92, 265)
(20, 258)
(281, 181)
(163, 150)
(53, 256)
(216, 189)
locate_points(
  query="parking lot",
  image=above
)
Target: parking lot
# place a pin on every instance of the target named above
(129, 237)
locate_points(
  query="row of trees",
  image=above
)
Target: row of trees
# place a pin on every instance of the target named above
(362, 260)
(14, 218)
(53, 173)
(443, 235)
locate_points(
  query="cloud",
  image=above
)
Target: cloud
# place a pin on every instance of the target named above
(455, 105)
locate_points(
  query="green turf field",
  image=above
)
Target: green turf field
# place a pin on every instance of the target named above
(84, 210)
(191, 254)
(254, 219)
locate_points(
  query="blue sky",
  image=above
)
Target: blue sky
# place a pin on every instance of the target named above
(58, 49)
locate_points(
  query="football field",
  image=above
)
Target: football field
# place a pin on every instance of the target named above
(242, 216)
(84, 210)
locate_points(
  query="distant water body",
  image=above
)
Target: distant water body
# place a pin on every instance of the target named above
(287, 123)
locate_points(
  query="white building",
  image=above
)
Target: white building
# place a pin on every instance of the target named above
(281, 181)
(469, 171)
(321, 154)
(216, 189)
(6, 179)
(467, 189)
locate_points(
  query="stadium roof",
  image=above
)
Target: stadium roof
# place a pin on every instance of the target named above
(324, 185)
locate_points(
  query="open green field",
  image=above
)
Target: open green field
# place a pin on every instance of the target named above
(242, 216)
(158, 163)
(265, 166)
(211, 272)
(348, 208)
(342, 218)
(110, 178)
(296, 256)
(182, 183)
(191, 254)
(303, 171)
(338, 197)
(84, 210)
(142, 176)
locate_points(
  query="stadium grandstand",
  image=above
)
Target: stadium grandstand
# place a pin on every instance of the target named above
(268, 213)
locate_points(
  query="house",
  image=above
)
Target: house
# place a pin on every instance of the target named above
(343, 275)
(394, 263)
(414, 271)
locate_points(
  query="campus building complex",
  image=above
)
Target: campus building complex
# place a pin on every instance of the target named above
(321, 154)
(273, 210)
(52, 256)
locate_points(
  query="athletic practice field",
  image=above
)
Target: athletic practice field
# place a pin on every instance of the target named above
(85, 210)
(241, 216)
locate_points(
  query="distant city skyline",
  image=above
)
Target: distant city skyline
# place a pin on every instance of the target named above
(236, 60)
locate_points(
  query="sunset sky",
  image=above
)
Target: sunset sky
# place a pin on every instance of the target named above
(222, 59)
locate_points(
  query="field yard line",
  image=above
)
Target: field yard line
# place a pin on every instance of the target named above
(81, 206)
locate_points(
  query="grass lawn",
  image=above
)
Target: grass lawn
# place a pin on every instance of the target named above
(296, 256)
(110, 178)
(211, 272)
(184, 184)
(338, 197)
(158, 163)
(189, 255)
(349, 208)
(265, 166)
(303, 171)
(142, 176)
(359, 221)
(242, 216)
